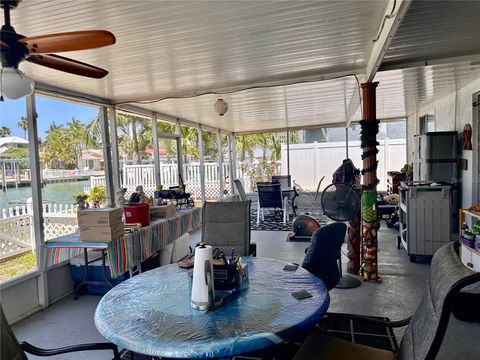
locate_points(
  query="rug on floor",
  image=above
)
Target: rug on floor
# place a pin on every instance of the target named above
(274, 221)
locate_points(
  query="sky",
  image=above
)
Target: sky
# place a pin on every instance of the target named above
(48, 110)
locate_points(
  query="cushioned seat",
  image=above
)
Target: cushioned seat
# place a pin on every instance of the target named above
(425, 329)
(322, 347)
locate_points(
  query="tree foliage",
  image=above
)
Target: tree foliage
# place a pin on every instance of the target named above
(23, 124)
(5, 131)
(16, 153)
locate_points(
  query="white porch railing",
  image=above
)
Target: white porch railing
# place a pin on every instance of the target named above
(16, 226)
(134, 175)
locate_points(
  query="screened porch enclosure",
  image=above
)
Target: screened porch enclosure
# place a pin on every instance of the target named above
(293, 74)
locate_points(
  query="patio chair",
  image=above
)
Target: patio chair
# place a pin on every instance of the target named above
(270, 198)
(425, 329)
(323, 251)
(285, 181)
(240, 189)
(226, 225)
(308, 203)
(11, 349)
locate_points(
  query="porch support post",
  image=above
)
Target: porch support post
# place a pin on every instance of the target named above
(232, 162)
(369, 126)
(36, 184)
(220, 165)
(202, 163)
(4, 178)
(107, 157)
(346, 142)
(112, 120)
(156, 155)
(178, 131)
(288, 151)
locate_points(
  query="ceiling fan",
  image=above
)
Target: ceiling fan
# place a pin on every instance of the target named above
(15, 48)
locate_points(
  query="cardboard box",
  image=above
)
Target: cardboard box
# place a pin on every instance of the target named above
(101, 233)
(99, 217)
(162, 211)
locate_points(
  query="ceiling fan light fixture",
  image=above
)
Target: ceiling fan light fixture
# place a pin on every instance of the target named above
(14, 84)
(221, 106)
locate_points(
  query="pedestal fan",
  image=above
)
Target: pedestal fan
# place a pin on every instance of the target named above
(341, 202)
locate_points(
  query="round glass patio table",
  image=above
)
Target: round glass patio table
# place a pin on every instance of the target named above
(151, 314)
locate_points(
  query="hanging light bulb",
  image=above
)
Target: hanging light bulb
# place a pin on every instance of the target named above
(221, 106)
(14, 84)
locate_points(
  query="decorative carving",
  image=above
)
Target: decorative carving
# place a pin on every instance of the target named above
(467, 137)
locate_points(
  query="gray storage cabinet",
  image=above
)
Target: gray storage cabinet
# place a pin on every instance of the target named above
(436, 157)
(425, 218)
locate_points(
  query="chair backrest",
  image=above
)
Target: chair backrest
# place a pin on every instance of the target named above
(322, 253)
(240, 189)
(10, 348)
(284, 180)
(318, 188)
(269, 195)
(226, 225)
(424, 334)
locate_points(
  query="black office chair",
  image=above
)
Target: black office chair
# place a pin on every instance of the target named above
(322, 253)
(425, 329)
(11, 349)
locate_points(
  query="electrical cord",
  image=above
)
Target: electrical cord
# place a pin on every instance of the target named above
(236, 91)
(385, 19)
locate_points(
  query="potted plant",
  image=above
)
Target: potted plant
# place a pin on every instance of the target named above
(97, 196)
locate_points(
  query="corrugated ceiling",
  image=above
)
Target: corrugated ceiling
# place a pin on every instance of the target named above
(176, 48)
(437, 29)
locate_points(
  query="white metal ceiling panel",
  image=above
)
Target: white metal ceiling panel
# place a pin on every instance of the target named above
(301, 105)
(437, 29)
(400, 91)
(171, 47)
(174, 48)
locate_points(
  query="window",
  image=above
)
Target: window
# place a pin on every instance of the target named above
(17, 242)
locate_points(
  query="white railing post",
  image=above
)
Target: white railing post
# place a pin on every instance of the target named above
(221, 184)
(202, 166)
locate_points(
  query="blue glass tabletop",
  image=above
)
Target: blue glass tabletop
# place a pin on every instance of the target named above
(151, 313)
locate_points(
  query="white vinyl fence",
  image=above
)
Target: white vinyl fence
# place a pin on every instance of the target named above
(310, 162)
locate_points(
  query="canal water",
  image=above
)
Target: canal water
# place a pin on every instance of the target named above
(60, 193)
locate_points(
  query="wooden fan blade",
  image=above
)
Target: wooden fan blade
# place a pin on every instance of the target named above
(68, 65)
(69, 41)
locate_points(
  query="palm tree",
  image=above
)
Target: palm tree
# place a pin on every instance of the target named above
(245, 146)
(53, 127)
(5, 131)
(23, 124)
(93, 132)
(136, 148)
(76, 131)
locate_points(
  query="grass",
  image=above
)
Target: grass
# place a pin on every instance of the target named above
(17, 266)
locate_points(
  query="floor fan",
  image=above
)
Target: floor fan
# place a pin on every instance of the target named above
(341, 202)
